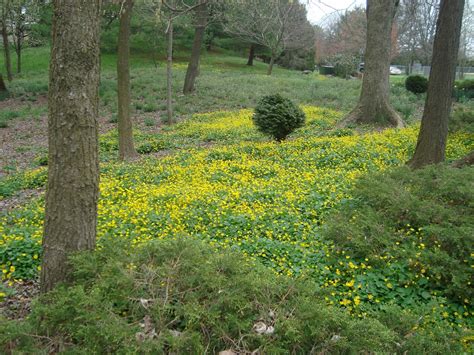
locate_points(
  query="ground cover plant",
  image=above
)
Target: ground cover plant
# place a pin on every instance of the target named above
(214, 178)
(180, 296)
(265, 199)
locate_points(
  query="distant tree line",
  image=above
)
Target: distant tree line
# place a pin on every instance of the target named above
(342, 37)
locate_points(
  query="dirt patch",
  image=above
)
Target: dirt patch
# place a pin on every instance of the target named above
(19, 199)
(18, 305)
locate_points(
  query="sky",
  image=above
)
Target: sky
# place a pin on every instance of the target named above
(318, 10)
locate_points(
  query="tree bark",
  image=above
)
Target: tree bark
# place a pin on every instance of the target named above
(169, 75)
(19, 33)
(6, 50)
(193, 66)
(270, 65)
(3, 88)
(431, 145)
(251, 55)
(374, 103)
(125, 133)
(73, 173)
(18, 59)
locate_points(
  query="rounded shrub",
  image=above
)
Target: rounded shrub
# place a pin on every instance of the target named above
(417, 84)
(464, 89)
(277, 116)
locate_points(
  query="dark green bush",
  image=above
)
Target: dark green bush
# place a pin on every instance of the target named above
(179, 296)
(462, 119)
(464, 89)
(277, 116)
(416, 227)
(417, 84)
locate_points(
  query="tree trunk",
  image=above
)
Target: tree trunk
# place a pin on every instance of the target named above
(3, 87)
(18, 59)
(270, 66)
(19, 38)
(126, 149)
(193, 66)
(374, 104)
(251, 54)
(431, 145)
(169, 75)
(6, 50)
(73, 173)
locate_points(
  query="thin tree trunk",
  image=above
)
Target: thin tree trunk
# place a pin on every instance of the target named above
(6, 50)
(251, 55)
(73, 173)
(169, 75)
(3, 88)
(18, 59)
(431, 145)
(374, 103)
(125, 133)
(270, 65)
(193, 66)
(19, 38)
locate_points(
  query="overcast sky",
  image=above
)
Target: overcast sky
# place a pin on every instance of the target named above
(318, 10)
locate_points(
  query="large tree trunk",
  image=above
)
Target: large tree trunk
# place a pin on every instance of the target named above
(125, 133)
(73, 173)
(251, 55)
(431, 145)
(6, 50)
(270, 65)
(374, 104)
(169, 75)
(193, 66)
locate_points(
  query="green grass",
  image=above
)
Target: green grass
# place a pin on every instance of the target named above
(225, 82)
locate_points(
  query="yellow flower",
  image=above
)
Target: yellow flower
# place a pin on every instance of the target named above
(350, 283)
(345, 302)
(357, 300)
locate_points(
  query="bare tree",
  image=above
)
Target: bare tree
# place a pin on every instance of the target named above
(347, 33)
(417, 25)
(374, 104)
(73, 172)
(18, 22)
(170, 10)
(466, 45)
(278, 25)
(5, 10)
(125, 133)
(431, 145)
